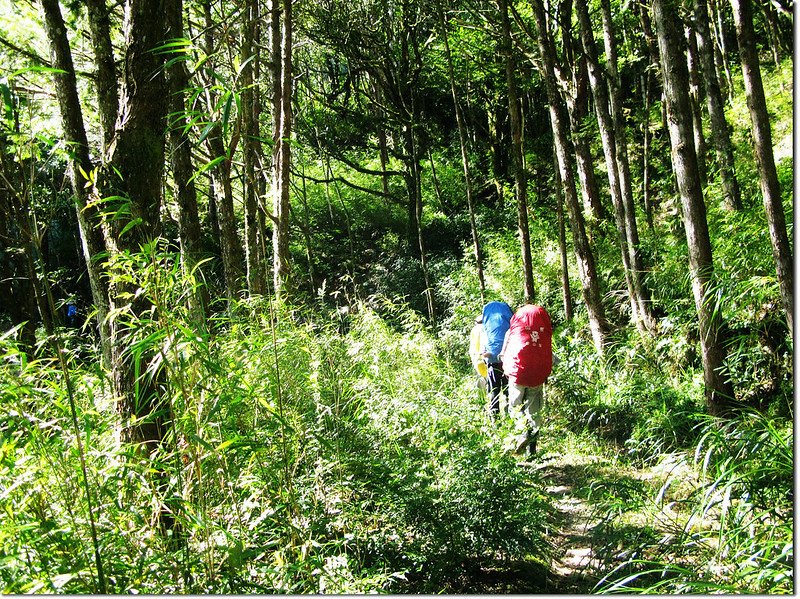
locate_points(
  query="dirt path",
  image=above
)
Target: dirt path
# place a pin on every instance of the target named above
(574, 564)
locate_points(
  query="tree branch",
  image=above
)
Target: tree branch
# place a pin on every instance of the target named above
(374, 192)
(39, 60)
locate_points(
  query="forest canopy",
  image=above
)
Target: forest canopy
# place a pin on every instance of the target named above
(242, 246)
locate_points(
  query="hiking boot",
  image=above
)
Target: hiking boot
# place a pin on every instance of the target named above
(532, 444)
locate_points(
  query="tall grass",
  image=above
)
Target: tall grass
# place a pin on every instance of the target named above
(738, 532)
(305, 455)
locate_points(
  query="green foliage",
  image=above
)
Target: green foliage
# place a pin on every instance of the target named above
(738, 532)
(345, 451)
(306, 454)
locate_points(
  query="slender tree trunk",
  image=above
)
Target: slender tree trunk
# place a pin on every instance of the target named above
(282, 150)
(414, 184)
(518, 158)
(383, 148)
(585, 258)
(720, 131)
(39, 294)
(590, 192)
(250, 150)
(578, 108)
(181, 161)
(646, 142)
(650, 90)
(772, 33)
(655, 63)
(762, 145)
(721, 49)
(212, 217)
(347, 221)
(462, 138)
(562, 242)
(642, 294)
(261, 174)
(436, 187)
(230, 244)
(718, 390)
(496, 150)
(106, 83)
(695, 98)
(306, 228)
(607, 136)
(75, 134)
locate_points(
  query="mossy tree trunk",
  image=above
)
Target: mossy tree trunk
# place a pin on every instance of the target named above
(765, 159)
(718, 389)
(587, 269)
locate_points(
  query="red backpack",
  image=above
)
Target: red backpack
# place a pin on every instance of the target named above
(528, 355)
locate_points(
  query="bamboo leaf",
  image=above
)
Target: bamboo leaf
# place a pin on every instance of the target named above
(209, 165)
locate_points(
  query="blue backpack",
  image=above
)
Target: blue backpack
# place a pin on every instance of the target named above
(496, 320)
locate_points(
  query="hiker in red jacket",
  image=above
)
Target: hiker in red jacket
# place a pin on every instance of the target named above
(527, 362)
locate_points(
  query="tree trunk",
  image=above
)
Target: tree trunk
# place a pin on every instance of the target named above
(695, 98)
(414, 186)
(446, 208)
(181, 162)
(518, 158)
(718, 390)
(762, 145)
(607, 136)
(585, 258)
(137, 160)
(306, 229)
(646, 141)
(383, 148)
(773, 34)
(496, 147)
(282, 114)
(721, 49)
(642, 294)
(75, 134)
(562, 242)
(230, 244)
(106, 82)
(578, 108)
(720, 131)
(251, 150)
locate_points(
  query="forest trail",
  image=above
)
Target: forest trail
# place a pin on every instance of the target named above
(573, 561)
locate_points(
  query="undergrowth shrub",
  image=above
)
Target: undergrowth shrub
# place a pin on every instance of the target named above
(738, 532)
(457, 495)
(306, 454)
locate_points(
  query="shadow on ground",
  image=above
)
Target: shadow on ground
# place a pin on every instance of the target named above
(516, 577)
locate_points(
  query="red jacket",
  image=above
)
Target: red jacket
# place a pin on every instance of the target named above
(528, 354)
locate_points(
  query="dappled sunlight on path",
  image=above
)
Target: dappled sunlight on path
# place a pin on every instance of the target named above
(574, 564)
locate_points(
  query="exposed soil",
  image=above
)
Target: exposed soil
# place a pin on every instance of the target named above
(573, 563)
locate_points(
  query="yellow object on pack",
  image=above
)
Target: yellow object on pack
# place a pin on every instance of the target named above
(477, 339)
